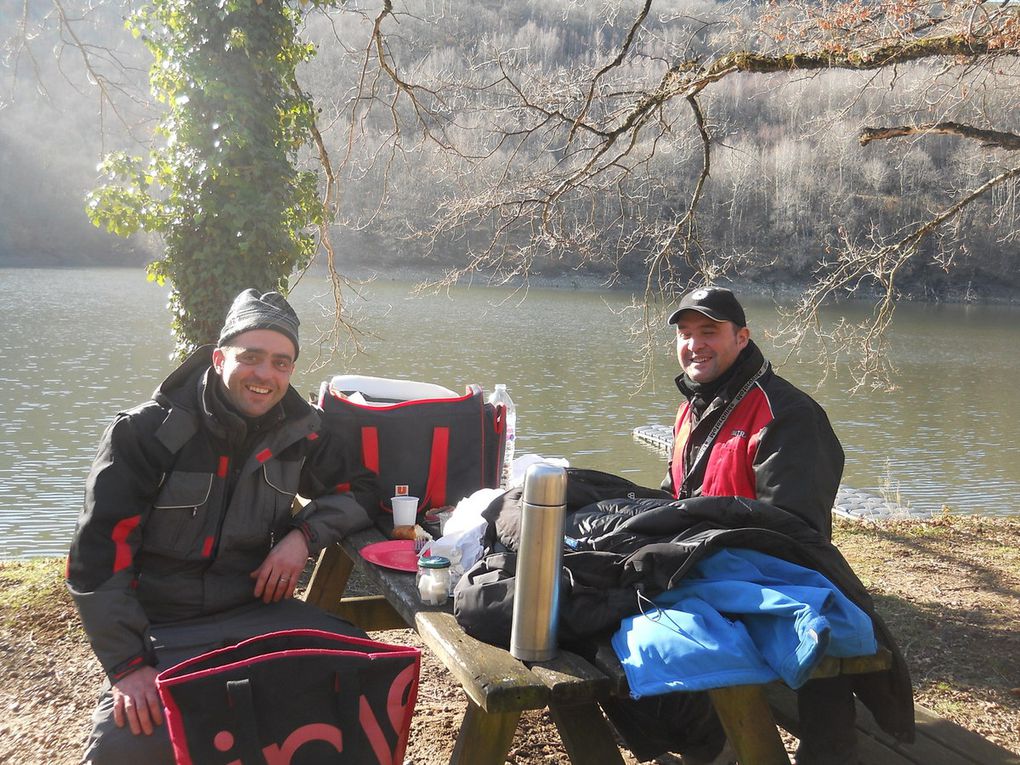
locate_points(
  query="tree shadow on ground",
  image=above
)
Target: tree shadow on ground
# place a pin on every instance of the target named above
(949, 589)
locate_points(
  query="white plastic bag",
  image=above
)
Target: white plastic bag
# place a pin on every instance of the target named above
(524, 461)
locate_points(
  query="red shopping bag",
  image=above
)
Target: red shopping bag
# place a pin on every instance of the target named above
(297, 697)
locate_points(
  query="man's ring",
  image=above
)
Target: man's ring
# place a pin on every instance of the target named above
(284, 578)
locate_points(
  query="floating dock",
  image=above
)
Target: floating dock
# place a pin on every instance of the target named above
(850, 503)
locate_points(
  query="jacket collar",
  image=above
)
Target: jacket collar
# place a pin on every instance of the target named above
(184, 391)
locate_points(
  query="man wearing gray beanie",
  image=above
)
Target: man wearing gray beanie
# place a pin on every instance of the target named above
(186, 542)
(250, 310)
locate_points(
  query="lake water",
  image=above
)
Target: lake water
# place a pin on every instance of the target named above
(81, 344)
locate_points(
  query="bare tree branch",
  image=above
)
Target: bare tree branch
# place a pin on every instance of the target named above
(992, 139)
(108, 89)
(624, 49)
(854, 271)
(610, 162)
(339, 284)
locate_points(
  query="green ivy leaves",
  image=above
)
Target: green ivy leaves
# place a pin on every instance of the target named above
(222, 187)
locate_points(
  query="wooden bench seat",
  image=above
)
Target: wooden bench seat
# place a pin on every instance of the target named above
(938, 741)
(750, 715)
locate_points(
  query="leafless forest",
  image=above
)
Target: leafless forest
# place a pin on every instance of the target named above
(547, 136)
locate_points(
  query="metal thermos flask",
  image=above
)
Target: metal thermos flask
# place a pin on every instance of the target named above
(539, 559)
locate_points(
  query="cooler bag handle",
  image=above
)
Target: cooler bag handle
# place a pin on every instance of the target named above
(243, 703)
(350, 706)
(370, 448)
(439, 465)
(439, 462)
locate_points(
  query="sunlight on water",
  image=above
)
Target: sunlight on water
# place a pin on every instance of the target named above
(83, 344)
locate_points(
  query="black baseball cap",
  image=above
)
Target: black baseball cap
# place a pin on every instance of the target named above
(717, 303)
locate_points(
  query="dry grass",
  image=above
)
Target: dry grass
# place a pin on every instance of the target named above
(949, 588)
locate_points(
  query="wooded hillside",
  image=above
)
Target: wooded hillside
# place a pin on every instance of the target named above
(448, 162)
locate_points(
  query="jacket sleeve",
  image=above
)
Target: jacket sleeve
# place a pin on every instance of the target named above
(799, 464)
(332, 480)
(119, 493)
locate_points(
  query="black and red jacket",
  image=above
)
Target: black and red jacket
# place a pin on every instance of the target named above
(776, 445)
(176, 518)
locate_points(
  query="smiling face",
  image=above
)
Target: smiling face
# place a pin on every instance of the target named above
(707, 348)
(256, 367)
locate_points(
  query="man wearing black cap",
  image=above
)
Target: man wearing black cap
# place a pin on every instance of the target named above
(746, 432)
(187, 541)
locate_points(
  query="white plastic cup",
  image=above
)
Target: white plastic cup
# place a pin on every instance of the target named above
(405, 510)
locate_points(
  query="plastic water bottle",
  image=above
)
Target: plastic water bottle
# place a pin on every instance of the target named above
(501, 397)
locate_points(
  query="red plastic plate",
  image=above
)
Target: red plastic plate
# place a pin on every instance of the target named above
(397, 554)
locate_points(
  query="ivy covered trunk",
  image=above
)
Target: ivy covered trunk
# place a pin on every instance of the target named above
(222, 188)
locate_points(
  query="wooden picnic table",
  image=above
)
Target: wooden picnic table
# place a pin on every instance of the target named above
(499, 687)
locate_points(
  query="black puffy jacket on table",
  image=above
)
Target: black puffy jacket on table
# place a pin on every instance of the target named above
(645, 544)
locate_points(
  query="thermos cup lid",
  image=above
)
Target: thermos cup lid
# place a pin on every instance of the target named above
(545, 484)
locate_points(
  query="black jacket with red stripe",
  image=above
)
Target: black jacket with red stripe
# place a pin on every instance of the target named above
(177, 514)
(776, 445)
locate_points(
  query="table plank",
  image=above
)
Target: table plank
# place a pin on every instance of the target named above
(570, 679)
(493, 679)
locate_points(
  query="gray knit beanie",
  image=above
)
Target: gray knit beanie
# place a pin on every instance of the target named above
(253, 311)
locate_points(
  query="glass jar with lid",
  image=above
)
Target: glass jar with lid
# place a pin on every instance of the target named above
(433, 579)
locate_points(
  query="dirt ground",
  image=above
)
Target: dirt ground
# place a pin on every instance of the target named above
(949, 588)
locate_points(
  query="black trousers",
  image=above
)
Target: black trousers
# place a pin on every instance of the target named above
(827, 715)
(686, 723)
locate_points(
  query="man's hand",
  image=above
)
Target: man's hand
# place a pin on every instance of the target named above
(278, 575)
(136, 701)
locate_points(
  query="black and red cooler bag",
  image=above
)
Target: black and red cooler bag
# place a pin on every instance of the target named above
(297, 697)
(438, 445)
